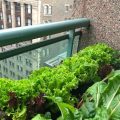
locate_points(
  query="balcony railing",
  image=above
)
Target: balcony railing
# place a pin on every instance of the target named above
(22, 34)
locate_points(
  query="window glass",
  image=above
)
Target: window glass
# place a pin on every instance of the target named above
(29, 9)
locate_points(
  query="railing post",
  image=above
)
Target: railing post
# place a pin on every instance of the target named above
(70, 42)
(80, 36)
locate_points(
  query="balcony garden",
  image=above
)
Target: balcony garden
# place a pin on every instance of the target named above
(85, 86)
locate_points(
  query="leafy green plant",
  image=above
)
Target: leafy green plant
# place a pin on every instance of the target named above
(102, 99)
(86, 64)
(67, 111)
(101, 53)
(84, 68)
(24, 99)
(56, 82)
(40, 117)
(20, 114)
(22, 89)
(115, 62)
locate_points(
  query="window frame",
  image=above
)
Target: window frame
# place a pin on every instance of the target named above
(47, 10)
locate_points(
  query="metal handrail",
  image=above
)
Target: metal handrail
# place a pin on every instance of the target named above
(21, 34)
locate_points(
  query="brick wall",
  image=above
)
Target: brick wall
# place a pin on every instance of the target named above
(105, 20)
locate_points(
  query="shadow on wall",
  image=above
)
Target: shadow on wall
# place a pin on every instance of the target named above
(105, 20)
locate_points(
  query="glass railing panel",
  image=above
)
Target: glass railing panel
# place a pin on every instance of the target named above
(75, 44)
(21, 66)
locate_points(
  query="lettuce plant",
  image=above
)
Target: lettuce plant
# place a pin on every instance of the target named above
(101, 53)
(18, 99)
(84, 68)
(56, 82)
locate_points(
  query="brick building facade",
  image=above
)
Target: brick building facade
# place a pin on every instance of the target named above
(105, 20)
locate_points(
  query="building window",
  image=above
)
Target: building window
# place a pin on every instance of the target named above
(43, 53)
(50, 10)
(11, 64)
(48, 52)
(67, 7)
(19, 68)
(1, 16)
(18, 44)
(18, 21)
(29, 9)
(3, 49)
(47, 10)
(5, 69)
(5, 61)
(28, 72)
(9, 19)
(1, 27)
(29, 22)
(28, 63)
(12, 74)
(8, 5)
(19, 58)
(17, 7)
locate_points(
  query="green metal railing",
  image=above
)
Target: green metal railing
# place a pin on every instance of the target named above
(21, 34)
